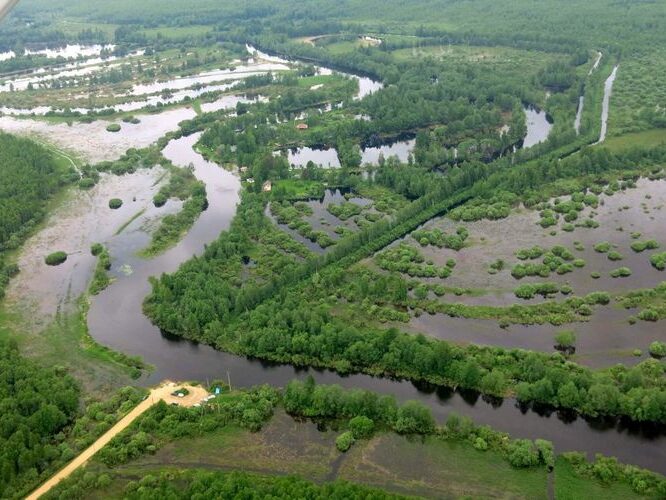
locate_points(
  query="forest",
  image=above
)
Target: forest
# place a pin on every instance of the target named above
(29, 177)
(446, 128)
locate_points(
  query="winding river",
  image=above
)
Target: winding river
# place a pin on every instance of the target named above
(116, 320)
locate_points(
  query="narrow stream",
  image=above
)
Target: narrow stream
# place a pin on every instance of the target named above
(605, 106)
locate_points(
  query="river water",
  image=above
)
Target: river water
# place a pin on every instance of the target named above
(116, 320)
(605, 105)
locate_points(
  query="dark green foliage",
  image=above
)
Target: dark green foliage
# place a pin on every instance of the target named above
(407, 259)
(620, 272)
(641, 246)
(113, 127)
(115, 203)
(37, 404)
(193, 483)
(29, 177)
(658, 261)
(55, 258)
(439, 239)
(361, 427)
(344, 441)
(96, 249)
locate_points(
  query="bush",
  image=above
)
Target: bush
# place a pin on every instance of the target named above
(86, 183)
(658, 261)
(602, 247)
(113, 127)
(658, 349)
(523, 453)
(640, 246)
(566, 339)
(620, 272)
(159, 200)
(614, 255)
(648, 315)
(344, 441)
(55, 258)
(115, 203)
(361, 427)
(96, 249)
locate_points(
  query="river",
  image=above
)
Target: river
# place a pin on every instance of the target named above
(116, 320)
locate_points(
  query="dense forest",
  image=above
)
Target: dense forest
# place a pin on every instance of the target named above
(29, 176)
(37, 405)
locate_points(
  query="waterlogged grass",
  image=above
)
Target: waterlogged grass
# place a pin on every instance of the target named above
(571, 486)
(439, 469)
(648, 138)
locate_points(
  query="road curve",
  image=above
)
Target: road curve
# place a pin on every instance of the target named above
(161, 393)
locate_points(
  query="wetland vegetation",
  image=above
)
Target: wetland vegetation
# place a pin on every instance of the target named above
(459, 199)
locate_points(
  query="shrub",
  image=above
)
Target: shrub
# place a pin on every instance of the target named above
(620, 272)
(113, 127)
(96, 249)
(566, 339)
(658, 261)
(159, 199)
(86, 183)
(523, 453)
(640, 246)
(55, 258)
(344, 441)
(614, 255)
(115, 203)
(361, 427)
(658, 349)
(648, 315)
(602, 247)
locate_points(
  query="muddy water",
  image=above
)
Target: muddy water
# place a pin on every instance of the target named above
(72, 228)
(321, 219)
(607, 338)
(327, 158)
(605, 105)
(579, 114)
(538, 127)
(116, 319)
(92, 142)
(401, 149)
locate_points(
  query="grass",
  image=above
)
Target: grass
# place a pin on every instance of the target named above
(132, 219)
(570, 486)
(175, 32)
(294, 189)
(648, 138)
(66, 342)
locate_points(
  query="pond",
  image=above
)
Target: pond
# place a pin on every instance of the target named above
(539, 125)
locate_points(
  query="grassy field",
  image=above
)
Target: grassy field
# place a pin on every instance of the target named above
(639, 94)
(648, 138)
(569, 486)
(428, 467)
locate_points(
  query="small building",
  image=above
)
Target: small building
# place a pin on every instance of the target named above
(302, 126)
(267, 187)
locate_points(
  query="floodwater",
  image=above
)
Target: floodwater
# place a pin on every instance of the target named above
(605, 105)
(116, 320)
(579, 114)
(538, 126)
(401, 149)
(326, 157)
(73, 227)
(321, 219)
(92, 142)
(607, 338)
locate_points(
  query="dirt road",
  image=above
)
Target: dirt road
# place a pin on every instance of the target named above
(163, 392)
